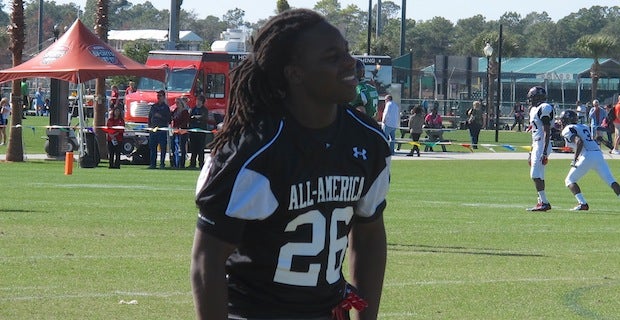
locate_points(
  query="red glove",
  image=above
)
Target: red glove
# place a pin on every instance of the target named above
(351, 300)
(544, 159)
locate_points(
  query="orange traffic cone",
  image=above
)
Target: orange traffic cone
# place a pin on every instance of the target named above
(68, 163)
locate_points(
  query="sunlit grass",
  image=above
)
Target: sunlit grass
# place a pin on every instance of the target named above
(461, 245)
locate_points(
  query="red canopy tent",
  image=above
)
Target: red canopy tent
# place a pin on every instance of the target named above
(78, 56)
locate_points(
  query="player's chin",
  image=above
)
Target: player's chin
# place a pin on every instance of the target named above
(347, 95)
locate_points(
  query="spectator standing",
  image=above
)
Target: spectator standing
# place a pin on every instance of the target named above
(582, 109)
(39, 102)
(131, 88)
(541, 115)
(114, 97)
(416, 122)
(46, 106)
(608, 125)
(266, 246)
(25, 97)
(474, 122)
(114, 131)
(519, 115)
(159, 120)
(390, 120)
(180, 124)
(588, 156)
(5, 114)
(615, 116)
(198, 124)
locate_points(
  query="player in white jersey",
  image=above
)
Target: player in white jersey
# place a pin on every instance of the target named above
(588, 156)
(541, 116)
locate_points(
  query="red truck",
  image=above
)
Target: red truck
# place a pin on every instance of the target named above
(189, 73)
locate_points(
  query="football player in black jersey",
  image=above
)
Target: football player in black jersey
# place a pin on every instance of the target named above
(295, 179)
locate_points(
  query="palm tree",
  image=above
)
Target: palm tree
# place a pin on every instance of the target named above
(101, 29)
(15, 150)
(595, 46)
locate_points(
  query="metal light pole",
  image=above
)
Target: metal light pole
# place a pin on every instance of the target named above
(403, 26)
(54, 145)
(369, 27)
(499, 83)
(488, 52)
(173, 27)
(379, 23)
(40, 44)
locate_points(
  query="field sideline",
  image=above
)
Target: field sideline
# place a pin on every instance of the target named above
(114, 244)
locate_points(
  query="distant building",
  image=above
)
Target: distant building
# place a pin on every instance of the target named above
(188, 40)
(565, 79)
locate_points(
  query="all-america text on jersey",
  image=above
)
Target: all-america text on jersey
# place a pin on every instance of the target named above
(325, 189)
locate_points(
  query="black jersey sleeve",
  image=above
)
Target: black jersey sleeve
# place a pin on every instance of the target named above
(371, 205)
(229, 192)
(212, 190)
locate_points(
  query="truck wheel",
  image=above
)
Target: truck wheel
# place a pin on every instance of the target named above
(127, 147)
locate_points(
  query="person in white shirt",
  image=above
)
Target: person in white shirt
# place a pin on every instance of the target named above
(588, 156)
(582, 109)
(5, 113)
(390, 120)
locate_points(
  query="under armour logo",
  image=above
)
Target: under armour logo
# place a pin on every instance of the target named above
(359, 153)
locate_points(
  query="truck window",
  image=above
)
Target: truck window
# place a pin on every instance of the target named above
(200, 81)
(216, 85)
(181, 80)
(146, 84)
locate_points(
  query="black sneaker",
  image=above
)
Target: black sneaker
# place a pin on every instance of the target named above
(540, 207)
(581, 207)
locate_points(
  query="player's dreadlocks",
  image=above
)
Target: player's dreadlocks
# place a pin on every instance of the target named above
(258, 85)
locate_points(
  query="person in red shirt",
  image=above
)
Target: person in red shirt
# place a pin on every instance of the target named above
(114, 97)
(131, 88)
(432, 121)
(615, 116)
(180, 124)
(115, 129)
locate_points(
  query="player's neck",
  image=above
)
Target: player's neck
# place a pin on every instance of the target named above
(313, 115)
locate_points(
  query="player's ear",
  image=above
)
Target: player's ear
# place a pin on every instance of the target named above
(293, 74)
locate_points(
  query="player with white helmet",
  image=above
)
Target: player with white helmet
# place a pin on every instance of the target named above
(541, 115)
(588, 156)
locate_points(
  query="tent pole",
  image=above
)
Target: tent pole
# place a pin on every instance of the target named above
(81, 118)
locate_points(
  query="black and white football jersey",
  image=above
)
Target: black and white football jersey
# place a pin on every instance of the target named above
(287, 196)
(583, 132)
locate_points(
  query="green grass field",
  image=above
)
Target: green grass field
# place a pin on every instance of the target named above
(461, 245)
